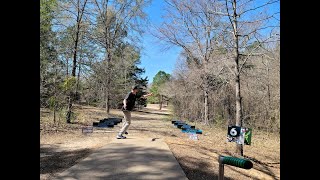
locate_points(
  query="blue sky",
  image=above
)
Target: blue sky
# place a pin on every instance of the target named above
(153, 58)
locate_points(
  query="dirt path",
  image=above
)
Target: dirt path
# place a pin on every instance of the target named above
(63, 149)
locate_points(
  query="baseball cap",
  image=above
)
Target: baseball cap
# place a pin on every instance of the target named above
(135, 87)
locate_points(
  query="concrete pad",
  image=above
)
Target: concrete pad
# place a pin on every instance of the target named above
(124, 159)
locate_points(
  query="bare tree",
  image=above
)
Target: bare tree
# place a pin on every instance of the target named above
(243, 31)
(232, 29)
(191, 26)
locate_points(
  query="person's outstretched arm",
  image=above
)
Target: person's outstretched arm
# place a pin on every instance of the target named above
(146, 95)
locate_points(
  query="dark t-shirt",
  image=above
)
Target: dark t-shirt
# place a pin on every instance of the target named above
(131, 99)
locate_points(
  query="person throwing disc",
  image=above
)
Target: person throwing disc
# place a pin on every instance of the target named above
(128, 105)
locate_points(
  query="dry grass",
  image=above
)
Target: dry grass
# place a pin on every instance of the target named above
(197, 158)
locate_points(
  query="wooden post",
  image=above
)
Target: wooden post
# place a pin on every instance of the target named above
(221, 169)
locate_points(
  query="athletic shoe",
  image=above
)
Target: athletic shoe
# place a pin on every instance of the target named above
(120, 137)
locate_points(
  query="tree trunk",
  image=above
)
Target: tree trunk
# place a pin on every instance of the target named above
(268, 89)
(108, 81)
(55, 94)
(206, 108)
(54, 115)
(67, 66)
(69, 110)
(160, 99)
(78, 76)
(74, 66)
(206, 92)
(239, 148)
(107, 102)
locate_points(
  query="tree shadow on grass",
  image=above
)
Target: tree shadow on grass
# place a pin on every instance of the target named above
(199, 169)
(257, 165)
(126, 162)
(52, 161)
